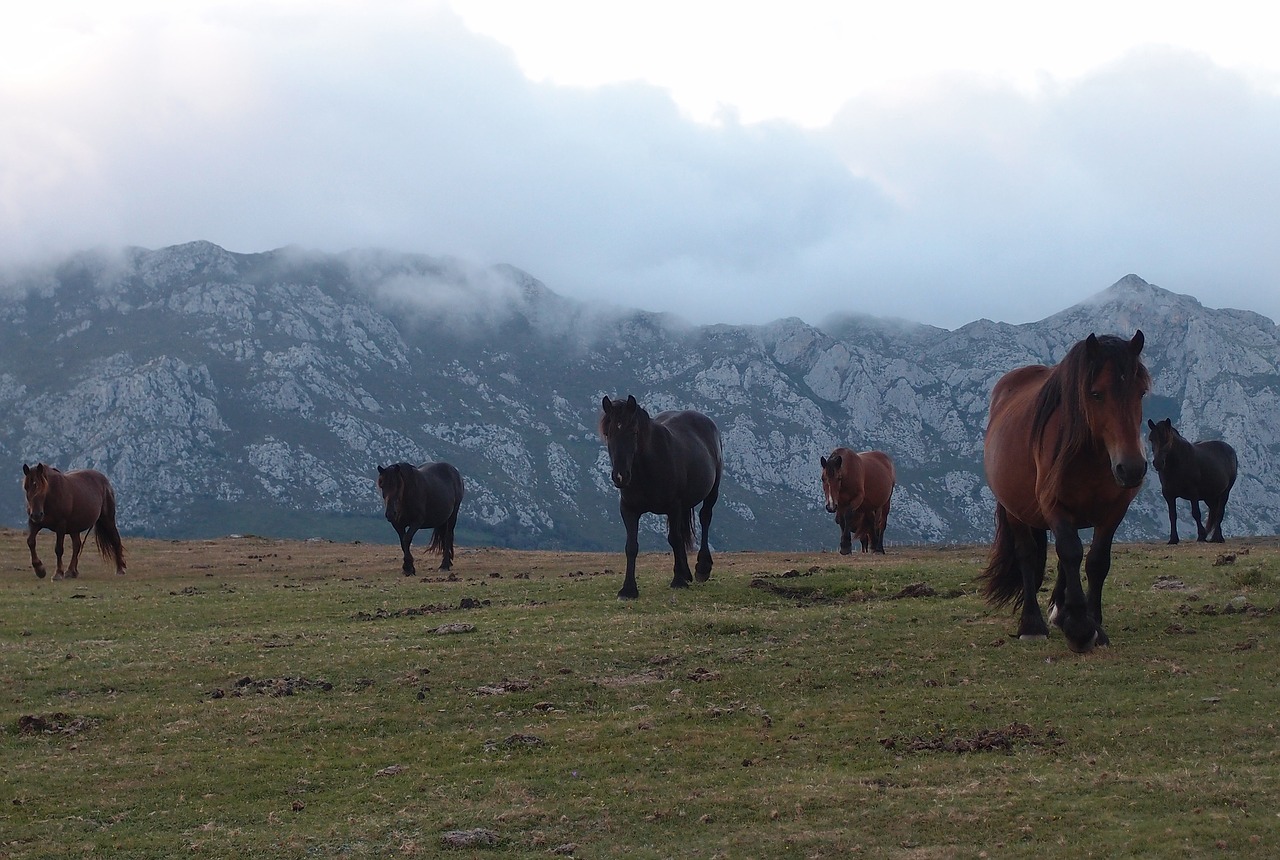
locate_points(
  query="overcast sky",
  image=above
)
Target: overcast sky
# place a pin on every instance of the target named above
(724, 161)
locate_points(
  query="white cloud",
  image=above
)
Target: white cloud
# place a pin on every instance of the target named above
(257, 126)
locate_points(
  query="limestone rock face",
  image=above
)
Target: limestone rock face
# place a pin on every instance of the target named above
(258, 393)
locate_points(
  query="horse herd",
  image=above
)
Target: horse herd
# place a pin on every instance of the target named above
(1063, 451)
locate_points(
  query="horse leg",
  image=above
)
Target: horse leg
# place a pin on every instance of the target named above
(406, 542)
(631, 521)
(1030, 549)
(36, 564)
(676, 524)
(77, 543)
(1217, 512)
(1172, 502)
(702, 572)
(1201, 534)
(1069, 609)
(844, 518)
(877, 532)
(1096, 566)
(58, 543)
(446, 541)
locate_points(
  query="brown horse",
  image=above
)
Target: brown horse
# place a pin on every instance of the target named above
(1063, 452)
(858, 488)
(68, 503)
(666, 464)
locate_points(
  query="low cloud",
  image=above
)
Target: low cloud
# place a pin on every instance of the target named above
(403, 130)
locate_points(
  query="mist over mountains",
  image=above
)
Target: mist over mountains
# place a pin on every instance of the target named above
(232, 393)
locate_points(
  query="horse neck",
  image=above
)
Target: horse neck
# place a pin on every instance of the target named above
(654, 448)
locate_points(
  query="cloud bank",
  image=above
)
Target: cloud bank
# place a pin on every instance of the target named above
(337, 128)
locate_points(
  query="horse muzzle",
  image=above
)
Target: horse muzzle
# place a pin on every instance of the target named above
(1129, 474)
(620, 480)
(35, 517)
(831, 509)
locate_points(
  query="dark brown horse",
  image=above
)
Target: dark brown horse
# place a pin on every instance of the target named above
(857, 488)
(667, 464)
(422, 497)
(1064, 452)
(1205, 470)
(69, 503)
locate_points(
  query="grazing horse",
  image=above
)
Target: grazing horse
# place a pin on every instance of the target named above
(422, 497)
(857, 488)
(1063, 452)
(667, 464)
(1205, 470)
(68, 503)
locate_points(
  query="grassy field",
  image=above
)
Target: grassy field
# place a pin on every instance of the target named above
(247, 697)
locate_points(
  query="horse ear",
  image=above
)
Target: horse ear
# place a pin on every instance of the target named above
(605, 403)
(821, 460)
(631, 402)
(26, 470)
(836, 460)
(381, 470)
(1151, 424)
(1091, 345)
(1135, 345)
(1168, 422)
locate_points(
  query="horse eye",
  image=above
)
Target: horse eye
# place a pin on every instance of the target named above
(1096, 395)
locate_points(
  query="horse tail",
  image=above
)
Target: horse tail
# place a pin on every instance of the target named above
(1002, 578)
(105, 532)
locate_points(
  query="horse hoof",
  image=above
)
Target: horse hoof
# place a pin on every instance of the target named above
(1083, 647)
(40, 574)
(844, 550)
(624, 596)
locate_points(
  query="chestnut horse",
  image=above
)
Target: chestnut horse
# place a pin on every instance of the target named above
(667, 464)
(1205, 470)
(68, 503)
(422, 497)
(1063, 452)
(857, 488)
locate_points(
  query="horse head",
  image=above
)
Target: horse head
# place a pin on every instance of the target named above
(391, 484)
(832, 479)
(1110, 393)
(35, 483)
(623, 426)
(1162, 437)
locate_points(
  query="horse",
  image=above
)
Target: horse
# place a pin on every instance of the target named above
(68, 503)
(857, 488)
(1063, 451)
(422, 497)
(666, 465)
(1205, 470)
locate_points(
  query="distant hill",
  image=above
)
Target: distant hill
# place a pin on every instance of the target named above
(230, 393)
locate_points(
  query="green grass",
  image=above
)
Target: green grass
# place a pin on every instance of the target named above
(788, 708)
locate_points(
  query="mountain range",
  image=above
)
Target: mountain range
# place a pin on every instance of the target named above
(257, 393)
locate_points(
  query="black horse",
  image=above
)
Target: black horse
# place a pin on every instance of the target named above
(1205, 470)
(666, 465)
(422, 497)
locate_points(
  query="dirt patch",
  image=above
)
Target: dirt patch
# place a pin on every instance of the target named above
(247, 686)
(424, 609)
(916, 589)
(1004, 740)
(506, 685)
(54, 724)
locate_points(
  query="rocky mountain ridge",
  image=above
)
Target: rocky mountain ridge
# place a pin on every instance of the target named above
(228, 393)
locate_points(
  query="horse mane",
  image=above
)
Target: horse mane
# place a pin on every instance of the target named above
(1067, 388)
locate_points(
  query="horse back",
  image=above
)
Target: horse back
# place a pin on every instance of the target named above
(83, 496)
(878, 479)
(439, 492)
(1218, 464)
(695, 453)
